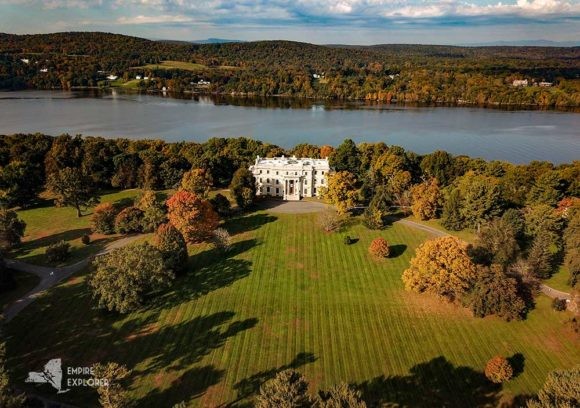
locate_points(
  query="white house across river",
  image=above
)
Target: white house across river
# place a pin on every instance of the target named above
(289, 177)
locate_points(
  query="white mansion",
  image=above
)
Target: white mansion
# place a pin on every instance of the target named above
(289, 177)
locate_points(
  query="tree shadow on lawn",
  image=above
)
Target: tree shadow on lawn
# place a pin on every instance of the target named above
(436, 383)
(397, 250)
(241, 224)
(518, 362)
(24, 251)
(251, 385)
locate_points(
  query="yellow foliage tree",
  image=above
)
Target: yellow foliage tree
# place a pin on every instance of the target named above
(341, 190)
(426, 198)
(198, 181)
(441, 266)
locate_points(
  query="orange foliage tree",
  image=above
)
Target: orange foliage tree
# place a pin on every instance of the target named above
(193, 216)
(379, 248)
(426, 199)
(441, 266)
(498, 370)
(326, 151)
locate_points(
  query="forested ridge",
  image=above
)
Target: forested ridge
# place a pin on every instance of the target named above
(393, 72)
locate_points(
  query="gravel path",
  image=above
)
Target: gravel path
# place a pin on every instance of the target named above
(50, 276)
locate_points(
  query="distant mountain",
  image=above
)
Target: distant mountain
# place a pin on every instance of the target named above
(526, 43)
(216, 41)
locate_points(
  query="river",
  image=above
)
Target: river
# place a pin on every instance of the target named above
(518, 136)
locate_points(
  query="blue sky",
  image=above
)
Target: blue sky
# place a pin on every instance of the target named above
(316, 21)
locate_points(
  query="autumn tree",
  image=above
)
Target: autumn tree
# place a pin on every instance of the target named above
(197, 181)
(288, 389)
(341, 190)
(498, 370)
(340, 396)
(572, 246)
(561, 390)
(330, 220)
(326, 151)
(496, 294)
(243, 187)
(170, 242)
(306, 150)
(439, 165)
(193, 216)
(11, 228)
(154, 210)
(103, 218)
(121, 278)
(112, 391)
(441, 266)
(451, 217)
(426, 198)
(379, 247)
(221, 204)
(72, 188)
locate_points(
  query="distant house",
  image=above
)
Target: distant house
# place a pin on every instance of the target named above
(520, 82)
(43, 69)
(25, 60)
(318, 76)
(146, 78)
(112, 77)
(138, 77)
(546, 84)
(203, 82)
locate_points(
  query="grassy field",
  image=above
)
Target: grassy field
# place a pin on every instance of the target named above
(168, 65)
(290, 295)
(47, 224)
(559, 280)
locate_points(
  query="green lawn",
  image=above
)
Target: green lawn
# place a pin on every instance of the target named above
(467, 235)
(559, 280)
(290, 295)
(48, 224)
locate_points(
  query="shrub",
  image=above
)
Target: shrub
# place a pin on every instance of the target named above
(373, 218)
(221, 204)
(172, 246)
(154, 212)
(379, 248)
(103, 219)
(559, 305)
(221, 240)
(129, 220)
(498, 370)
(85, 239)
(58, 252)
(341, 396)
(330, 221)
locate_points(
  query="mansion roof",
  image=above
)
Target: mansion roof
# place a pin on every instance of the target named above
(290, 163)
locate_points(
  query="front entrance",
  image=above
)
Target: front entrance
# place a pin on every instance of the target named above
(292, 189)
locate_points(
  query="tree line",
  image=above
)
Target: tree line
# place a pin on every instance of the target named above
(410, 73)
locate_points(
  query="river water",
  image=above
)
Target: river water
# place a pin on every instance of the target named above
(518, 136)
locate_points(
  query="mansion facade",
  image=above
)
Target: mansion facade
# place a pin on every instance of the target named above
(289, 178)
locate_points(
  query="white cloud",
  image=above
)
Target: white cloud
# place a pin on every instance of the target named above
(154, 19)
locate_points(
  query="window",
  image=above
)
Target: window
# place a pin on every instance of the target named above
(267, 171)
(315, 172)
(260, 179)
(314, 190)
(322, 181)
(268, 180)
(305, 182)
(260, 171)
(323, 172)
(276, 173)
(277, 181)
(277, 190)
(268, 189)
